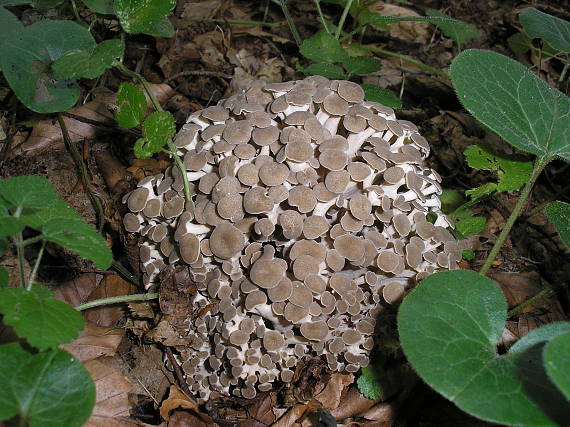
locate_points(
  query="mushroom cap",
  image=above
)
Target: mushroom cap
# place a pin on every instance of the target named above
(226, 241)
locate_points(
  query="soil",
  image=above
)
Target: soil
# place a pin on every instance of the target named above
(197, 68)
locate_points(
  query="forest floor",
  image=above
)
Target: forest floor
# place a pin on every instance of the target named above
(207, 61)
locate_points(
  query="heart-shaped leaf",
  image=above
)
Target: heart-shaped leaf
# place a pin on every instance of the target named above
(511, 101)
(77, 236)
(383, 96)
(557, 362)
(88, 65)
(147, 17)
(362, 66)
(449, 328)
(540, 25)
(322, 47)
(49, 389)
(35, 315)
(559, 214)
(26, 62)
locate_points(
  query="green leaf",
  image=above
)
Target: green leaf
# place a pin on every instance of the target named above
(362, 66)
(4, 277)
(558, 213)
(145, 16)
(449, 328)
(28, 191)
(88, 65)
(460, 31)
(35, 315)
(158, 128)
(367, 17)
(513, 174)
(468, 254)
(471, 225)
(451, 200)
(540, 25)
(557, 362)
(14, 2)
(3, 246)
(26, 62)
(323, 47)
(482, 191)
(519, 43)
(46, 4)
(77, 236)
(327, 70)
(356, 49)
(511, 101)
(49, 389)
(9, 24)
(104, 7)
(132, 105)
(59, 209)
(9, 226)
(369, 383)
(383, 96)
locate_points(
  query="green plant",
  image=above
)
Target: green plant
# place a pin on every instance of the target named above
(450, 324)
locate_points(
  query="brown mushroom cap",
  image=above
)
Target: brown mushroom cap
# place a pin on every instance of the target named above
(273, 340)
(315, 331)
(226, 241)
(189, 248)
(266, 273)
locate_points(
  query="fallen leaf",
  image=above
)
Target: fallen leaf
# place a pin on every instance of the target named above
(291, 416)
(77, 290)
(178, 400)
(112, 285)
(353, 404)
(330, 397)
(95, 341)
(383, 412)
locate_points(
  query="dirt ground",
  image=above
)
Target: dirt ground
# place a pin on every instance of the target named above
(205, 62)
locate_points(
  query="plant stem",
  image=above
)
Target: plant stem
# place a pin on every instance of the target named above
(342, 19)
(564, 71)
(321, 16)
(235, 22)
(545, 293)
(116, 300)
(18, 242)
(143, 83)
(32, 240)
(290, 22)
(36, 266)
(540, 164)
(181, 168)
(410, 60)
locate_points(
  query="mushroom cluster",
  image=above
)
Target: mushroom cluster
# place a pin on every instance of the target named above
(310, 208)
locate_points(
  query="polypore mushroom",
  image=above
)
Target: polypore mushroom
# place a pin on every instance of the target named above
(309, 213)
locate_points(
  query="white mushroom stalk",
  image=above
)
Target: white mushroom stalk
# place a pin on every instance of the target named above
(309, 215)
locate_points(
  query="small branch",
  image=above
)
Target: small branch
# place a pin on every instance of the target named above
(122, 270)
(178, 372)
(181, 168)
(199, 73)
(116, 300)
(545, 293)
(110, 126)
(409, 60)
(290, 22)
(539, 166)
(83, 173)
(36, 266)
(342, 19)
(234, 22)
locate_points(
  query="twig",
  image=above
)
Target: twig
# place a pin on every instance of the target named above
(92, 122)
(178, 372)
(235, 22)
(83, 173)
(123, 271)
(410, 60)
(116, 300)
(545, 293)
(290, 22)
(199, 73)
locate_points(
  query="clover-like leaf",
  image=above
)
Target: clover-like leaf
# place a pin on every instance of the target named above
(511, 101)
(557, 362)
(460, 31)
(323, 47)
(88, 65)
(145, 16)
(158, 128)
(105, 7)
(540, 25)
(26, 62)
(449, 327)
(559, 214)
(48, 389)
(33, 192)
(39, 318)
(327, 70)
(131, 105)
(362, 66)
(381, 95)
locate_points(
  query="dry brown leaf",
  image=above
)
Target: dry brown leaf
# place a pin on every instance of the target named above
(330, 397)
(291, 417)
(202, 9)
(416, 31)
(112, 389)
(97, 421)
(95, 341)
(383, 412)
(353, 404)
(148, 373)
(76, 290)
(111, 286)
(178, 400)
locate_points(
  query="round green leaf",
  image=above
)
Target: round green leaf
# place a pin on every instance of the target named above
(383, 96)
(557, 362)
(132, 105)
(88, 65)
(35, 315)
(540, 25)
(327, 70)
(322, 47)
(158, 128)
(362, 66)
(26, 62)
(559, 214)
(148, 16)
(511, 101)
(449, 327)
(77, 236)
(49, 389)
(104, 7)
(33, 192)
